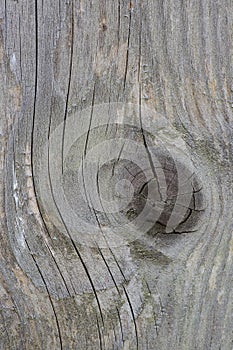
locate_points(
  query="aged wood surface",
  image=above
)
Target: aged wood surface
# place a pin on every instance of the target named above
(163, 289)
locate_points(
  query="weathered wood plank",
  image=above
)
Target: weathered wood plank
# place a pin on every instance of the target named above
(67, 71)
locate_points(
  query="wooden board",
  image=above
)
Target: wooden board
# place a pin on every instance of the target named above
(110, 110)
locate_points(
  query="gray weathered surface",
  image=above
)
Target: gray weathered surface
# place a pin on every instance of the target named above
(161, 291)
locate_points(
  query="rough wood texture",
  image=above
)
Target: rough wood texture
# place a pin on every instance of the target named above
(161, 290)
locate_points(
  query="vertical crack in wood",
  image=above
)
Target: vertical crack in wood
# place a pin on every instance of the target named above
(133, 317)
(80, 258)
(127, 52)
(89, 127)
(69, 82)
(52, 194)
(32, 167)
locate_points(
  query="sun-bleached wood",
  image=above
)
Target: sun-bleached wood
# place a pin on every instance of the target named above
(172, 291)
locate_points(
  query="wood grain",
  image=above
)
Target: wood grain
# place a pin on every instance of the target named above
(162, 290)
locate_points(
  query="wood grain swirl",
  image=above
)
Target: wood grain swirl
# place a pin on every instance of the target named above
(162, 290)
